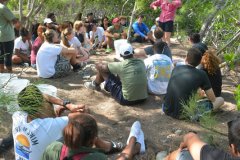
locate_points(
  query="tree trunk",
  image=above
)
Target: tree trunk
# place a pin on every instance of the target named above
(131, 21)
(124, 6)
(219, 6)
(235, 38)
(20, 11)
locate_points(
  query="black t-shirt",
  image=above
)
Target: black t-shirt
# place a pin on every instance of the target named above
(184, 81)
(80, 37)
(211, 153)
(216, 82)
(89, 26)
(201, 47)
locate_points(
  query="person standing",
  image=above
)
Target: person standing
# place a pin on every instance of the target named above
(168, 11)
(7, 36)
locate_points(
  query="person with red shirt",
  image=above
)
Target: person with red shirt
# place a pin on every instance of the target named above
(166, 18)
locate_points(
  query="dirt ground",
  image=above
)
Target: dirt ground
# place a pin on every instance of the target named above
(114, 120)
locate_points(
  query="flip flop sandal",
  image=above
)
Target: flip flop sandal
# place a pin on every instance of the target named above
(116, 147)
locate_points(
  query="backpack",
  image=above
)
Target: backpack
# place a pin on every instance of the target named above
(64, 154)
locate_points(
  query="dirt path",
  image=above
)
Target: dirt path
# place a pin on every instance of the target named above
(115, 120)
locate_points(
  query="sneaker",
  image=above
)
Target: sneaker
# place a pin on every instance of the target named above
(135, 131)
(76, 67)
(92, 85)
(140, 140)
(108, 50)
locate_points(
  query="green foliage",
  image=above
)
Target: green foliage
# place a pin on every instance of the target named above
(208, 120)
(237, 97)
(229, 58)
(194, 112)
(30, 99)
(5, 99)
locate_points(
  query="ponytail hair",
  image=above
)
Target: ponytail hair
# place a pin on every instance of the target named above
(64, 35)
(80, 132)
(48, 35)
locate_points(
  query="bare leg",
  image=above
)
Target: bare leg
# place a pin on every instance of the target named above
(109, 41)
(105, 145)
(17, 59)
(167, 36)
(130, 150)
(1, 68)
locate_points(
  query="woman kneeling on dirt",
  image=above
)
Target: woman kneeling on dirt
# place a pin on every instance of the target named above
(53, 60)
(80, 135)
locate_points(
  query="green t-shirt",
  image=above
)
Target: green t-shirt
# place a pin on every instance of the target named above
(112, 30)
(132, 74)
(6, 26)
(53, 151)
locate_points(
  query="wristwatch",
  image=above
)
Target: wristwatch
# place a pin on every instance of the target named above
(65, 102)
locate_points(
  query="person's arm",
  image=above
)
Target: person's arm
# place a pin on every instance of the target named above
(108, 34)
(137, 30)
(71, 107)
(146, 29)
(210, 95)
(156, 4)
(177, 3)
(67, 51)
(92, 35)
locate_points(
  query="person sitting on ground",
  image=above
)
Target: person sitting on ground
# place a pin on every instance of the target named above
(49, 24)
(81, 34)
(53, 60)
(89, 21)
(140, 30)
(64, 25)
(123, 21)
(52, 16)
(159, 68)
(82, 133)
(148, 50)
(37, 44)
(196, 42)
(97, 36)
(155, 25)
(69, 40)
(35, 26)
(129, 87)
(210, 64)
(22, 47)
(105, 23)
(114, 32)
(184, 82)
(193, 148)
(17, 27)
(38, 124)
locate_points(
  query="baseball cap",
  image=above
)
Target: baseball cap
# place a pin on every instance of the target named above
(126, 49)
(47, 20)
(115, 20)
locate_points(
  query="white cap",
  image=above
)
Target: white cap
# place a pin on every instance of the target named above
(126, 49)
(47, 20)
(157, 19)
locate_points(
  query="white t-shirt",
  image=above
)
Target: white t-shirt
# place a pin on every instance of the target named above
(159, 68)
(99, 33)
(23, 47)
(46, 59)
(74, 42)
(31, 139)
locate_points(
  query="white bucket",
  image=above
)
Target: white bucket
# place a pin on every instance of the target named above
(48, 89)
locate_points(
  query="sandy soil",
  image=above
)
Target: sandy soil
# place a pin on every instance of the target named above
(114, 120)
